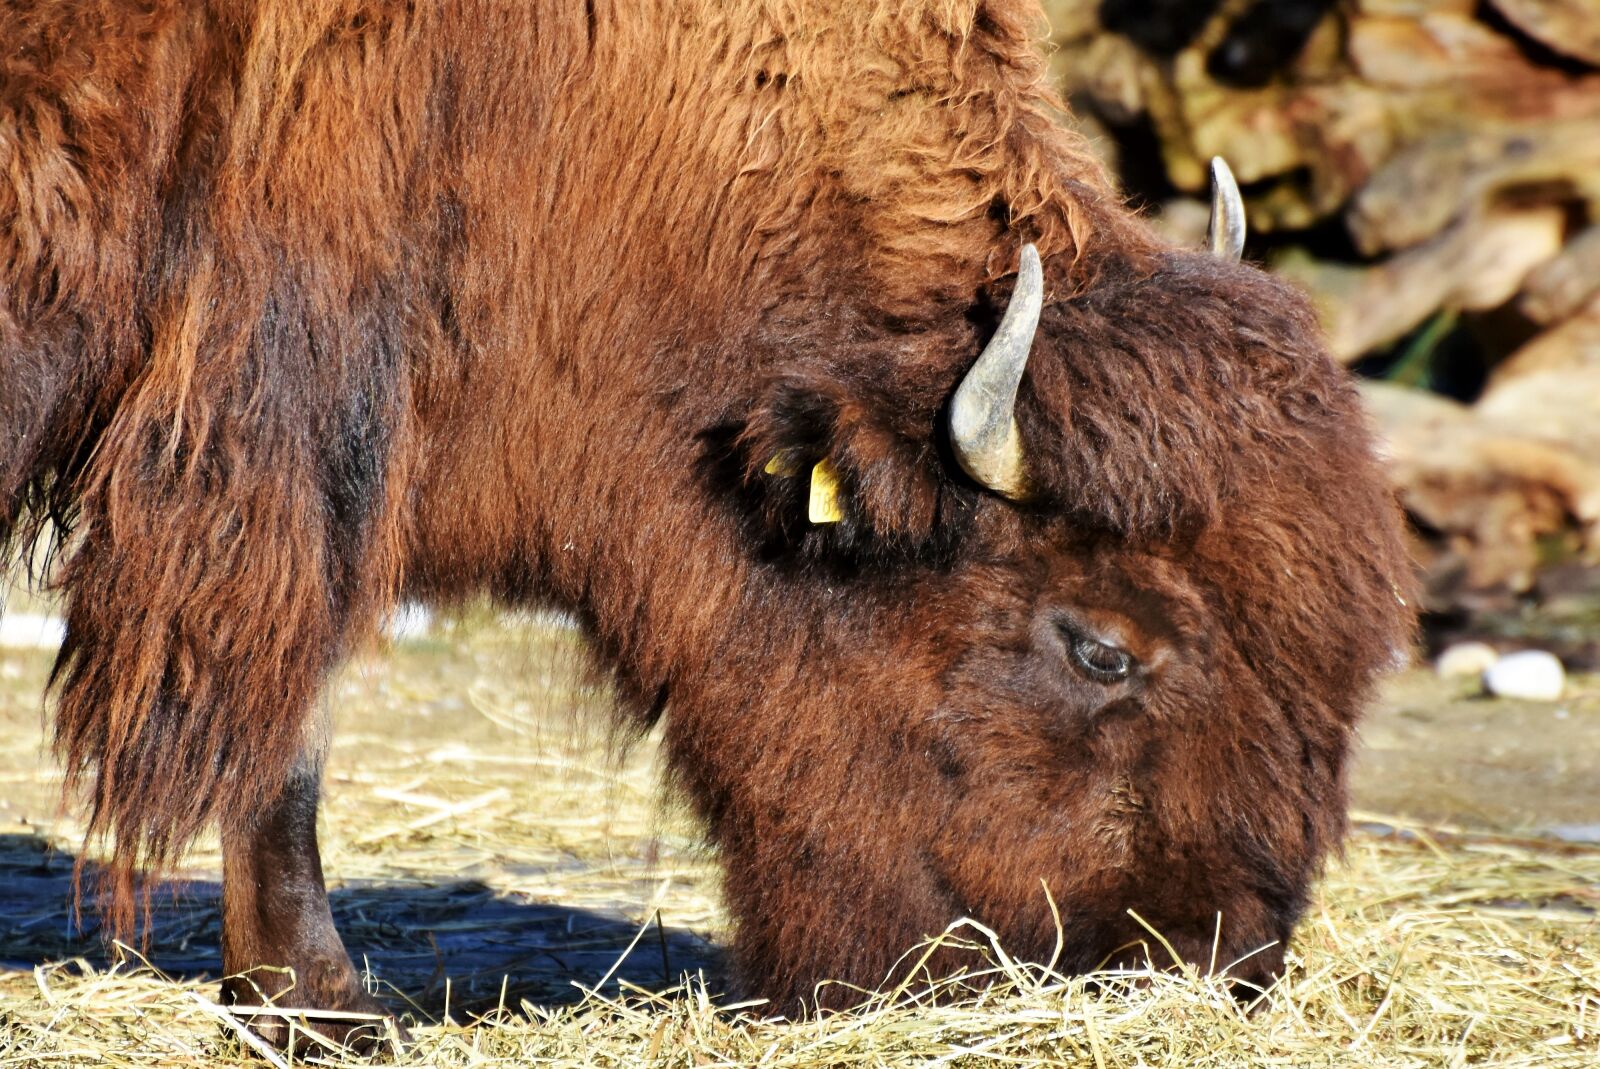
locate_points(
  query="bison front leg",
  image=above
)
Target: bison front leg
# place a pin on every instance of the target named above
(280, 949)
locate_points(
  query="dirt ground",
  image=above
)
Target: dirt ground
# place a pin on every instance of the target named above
(1440, 752)
(487, 850)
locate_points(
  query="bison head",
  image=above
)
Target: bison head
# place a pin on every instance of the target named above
(1088, 618)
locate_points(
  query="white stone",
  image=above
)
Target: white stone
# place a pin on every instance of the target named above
(1466, 659)
(410, 621)
(1531, 674)
(29, 631)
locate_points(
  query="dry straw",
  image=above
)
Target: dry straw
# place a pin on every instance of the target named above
(1421, 951)
(1424, 947)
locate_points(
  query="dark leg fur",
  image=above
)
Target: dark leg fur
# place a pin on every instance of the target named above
(279, 944)
(37, 404)
(236, 535)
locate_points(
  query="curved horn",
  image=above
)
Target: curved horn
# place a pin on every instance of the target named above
(1226, 235)
(983, 427)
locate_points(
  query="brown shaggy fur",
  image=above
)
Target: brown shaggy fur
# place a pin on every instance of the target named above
(303, 304)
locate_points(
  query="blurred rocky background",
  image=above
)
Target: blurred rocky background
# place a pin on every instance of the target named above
(1429, 170)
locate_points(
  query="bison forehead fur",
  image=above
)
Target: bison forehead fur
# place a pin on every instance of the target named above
(305, 305)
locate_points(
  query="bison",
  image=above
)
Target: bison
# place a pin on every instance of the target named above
(973, 541)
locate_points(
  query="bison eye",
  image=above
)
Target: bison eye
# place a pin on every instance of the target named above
(1100, 661)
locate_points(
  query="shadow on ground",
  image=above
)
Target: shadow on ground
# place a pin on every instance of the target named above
(425, 943)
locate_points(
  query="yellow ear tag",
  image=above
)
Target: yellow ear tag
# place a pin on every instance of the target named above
(784, 463)
(824, 505)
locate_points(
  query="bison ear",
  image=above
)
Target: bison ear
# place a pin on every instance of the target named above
(843, 461)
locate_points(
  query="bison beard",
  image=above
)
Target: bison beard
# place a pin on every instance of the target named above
(304, 306)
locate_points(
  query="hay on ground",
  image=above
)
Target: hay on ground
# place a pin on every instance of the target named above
(519, 892)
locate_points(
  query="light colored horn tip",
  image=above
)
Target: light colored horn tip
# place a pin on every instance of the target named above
(983, 429)
(1029, 261)
(1227, 231)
